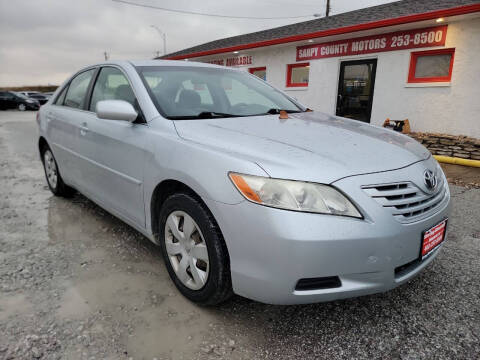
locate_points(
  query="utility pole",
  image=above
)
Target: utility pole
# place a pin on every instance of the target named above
(164, 37)
(327, 12)
(106, 55)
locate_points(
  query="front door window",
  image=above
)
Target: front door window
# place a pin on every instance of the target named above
(355, 89)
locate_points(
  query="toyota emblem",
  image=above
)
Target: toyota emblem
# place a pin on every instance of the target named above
(430, 179)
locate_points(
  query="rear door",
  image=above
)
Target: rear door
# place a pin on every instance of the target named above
(64, 118)
(113, 151)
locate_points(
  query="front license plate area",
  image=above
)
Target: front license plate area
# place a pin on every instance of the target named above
(432, 238)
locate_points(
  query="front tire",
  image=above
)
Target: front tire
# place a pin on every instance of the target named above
(22, 107)
(194, 251)
(54, 180)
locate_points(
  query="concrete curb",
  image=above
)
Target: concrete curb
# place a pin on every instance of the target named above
(457, 161)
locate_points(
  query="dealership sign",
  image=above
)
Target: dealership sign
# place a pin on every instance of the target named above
(233, 61)
(400, 40)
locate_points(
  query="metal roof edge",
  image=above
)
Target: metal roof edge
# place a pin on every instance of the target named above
(459, 10)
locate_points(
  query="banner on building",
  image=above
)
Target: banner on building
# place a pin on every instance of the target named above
(241, 60)
(399, 40)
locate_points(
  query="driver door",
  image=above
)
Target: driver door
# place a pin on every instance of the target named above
(114, 150)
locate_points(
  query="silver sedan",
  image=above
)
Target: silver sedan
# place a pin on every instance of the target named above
(245, 190)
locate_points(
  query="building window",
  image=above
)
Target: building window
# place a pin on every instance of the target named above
(297, 74)
(431, 66)
(261, 72)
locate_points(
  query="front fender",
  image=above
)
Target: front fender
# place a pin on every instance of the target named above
(201, 168)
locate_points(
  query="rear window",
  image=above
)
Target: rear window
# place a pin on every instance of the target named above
(61, 98)
(77, 90)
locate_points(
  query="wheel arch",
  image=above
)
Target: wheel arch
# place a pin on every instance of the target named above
(42, 144)
(161, 192)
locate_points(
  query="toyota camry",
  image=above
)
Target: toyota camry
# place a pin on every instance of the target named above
(244, 189)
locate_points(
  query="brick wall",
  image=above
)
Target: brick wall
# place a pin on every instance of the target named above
(450, 145)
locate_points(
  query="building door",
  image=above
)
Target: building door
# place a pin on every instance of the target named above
(355, 89)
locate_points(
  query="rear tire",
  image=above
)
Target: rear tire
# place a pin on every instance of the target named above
(54, 180)
(216, 285)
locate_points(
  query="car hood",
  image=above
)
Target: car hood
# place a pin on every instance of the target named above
(310, 146)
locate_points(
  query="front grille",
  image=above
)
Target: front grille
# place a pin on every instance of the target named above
(405, 200)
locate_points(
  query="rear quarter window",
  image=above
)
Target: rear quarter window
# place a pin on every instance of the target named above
(61, 97)
(77, 90)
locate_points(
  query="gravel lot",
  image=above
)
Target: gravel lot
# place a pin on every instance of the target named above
(76, 283)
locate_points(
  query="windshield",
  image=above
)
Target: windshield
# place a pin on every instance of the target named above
(184, 92)
(20, 95)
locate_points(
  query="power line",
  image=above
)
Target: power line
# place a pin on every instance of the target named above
(212, 15)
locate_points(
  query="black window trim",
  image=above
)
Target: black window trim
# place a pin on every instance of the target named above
(65, 88)
(88, 97)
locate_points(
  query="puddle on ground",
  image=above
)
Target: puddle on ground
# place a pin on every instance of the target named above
(162, 322)
(99, 276)
(13, 305)
(177, 327)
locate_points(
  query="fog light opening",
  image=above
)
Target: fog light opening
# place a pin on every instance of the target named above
(320, 283)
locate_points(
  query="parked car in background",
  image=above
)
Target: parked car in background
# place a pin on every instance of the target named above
(245, 189)
(28, 93)
(41, 98)
(48, 94)
(14, 100)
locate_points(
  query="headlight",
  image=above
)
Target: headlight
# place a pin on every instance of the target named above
(294, 195)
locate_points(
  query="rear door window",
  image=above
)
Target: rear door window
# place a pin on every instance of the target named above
(77, 90)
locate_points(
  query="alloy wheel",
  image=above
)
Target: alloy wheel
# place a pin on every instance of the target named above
(187, 250)
(22, 107)
(50, 168)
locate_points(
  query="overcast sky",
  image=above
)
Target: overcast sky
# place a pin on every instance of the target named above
(43, 41)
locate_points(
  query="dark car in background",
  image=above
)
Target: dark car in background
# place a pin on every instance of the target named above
(13, 100)
(41, 98)
(28, 93)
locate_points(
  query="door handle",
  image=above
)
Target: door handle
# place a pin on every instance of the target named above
(83, 129)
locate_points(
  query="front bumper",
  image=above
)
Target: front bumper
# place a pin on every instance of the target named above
(272, 249)
(32, 106)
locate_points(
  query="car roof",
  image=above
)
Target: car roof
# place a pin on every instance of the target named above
(141, 63)
(172, 63)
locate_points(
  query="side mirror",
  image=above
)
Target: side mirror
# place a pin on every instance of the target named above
(116, 110)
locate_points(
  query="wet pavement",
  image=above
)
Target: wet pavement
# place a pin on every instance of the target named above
(77, 283)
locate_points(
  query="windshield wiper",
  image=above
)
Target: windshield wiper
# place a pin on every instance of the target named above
(204, 115)
(274, 111)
